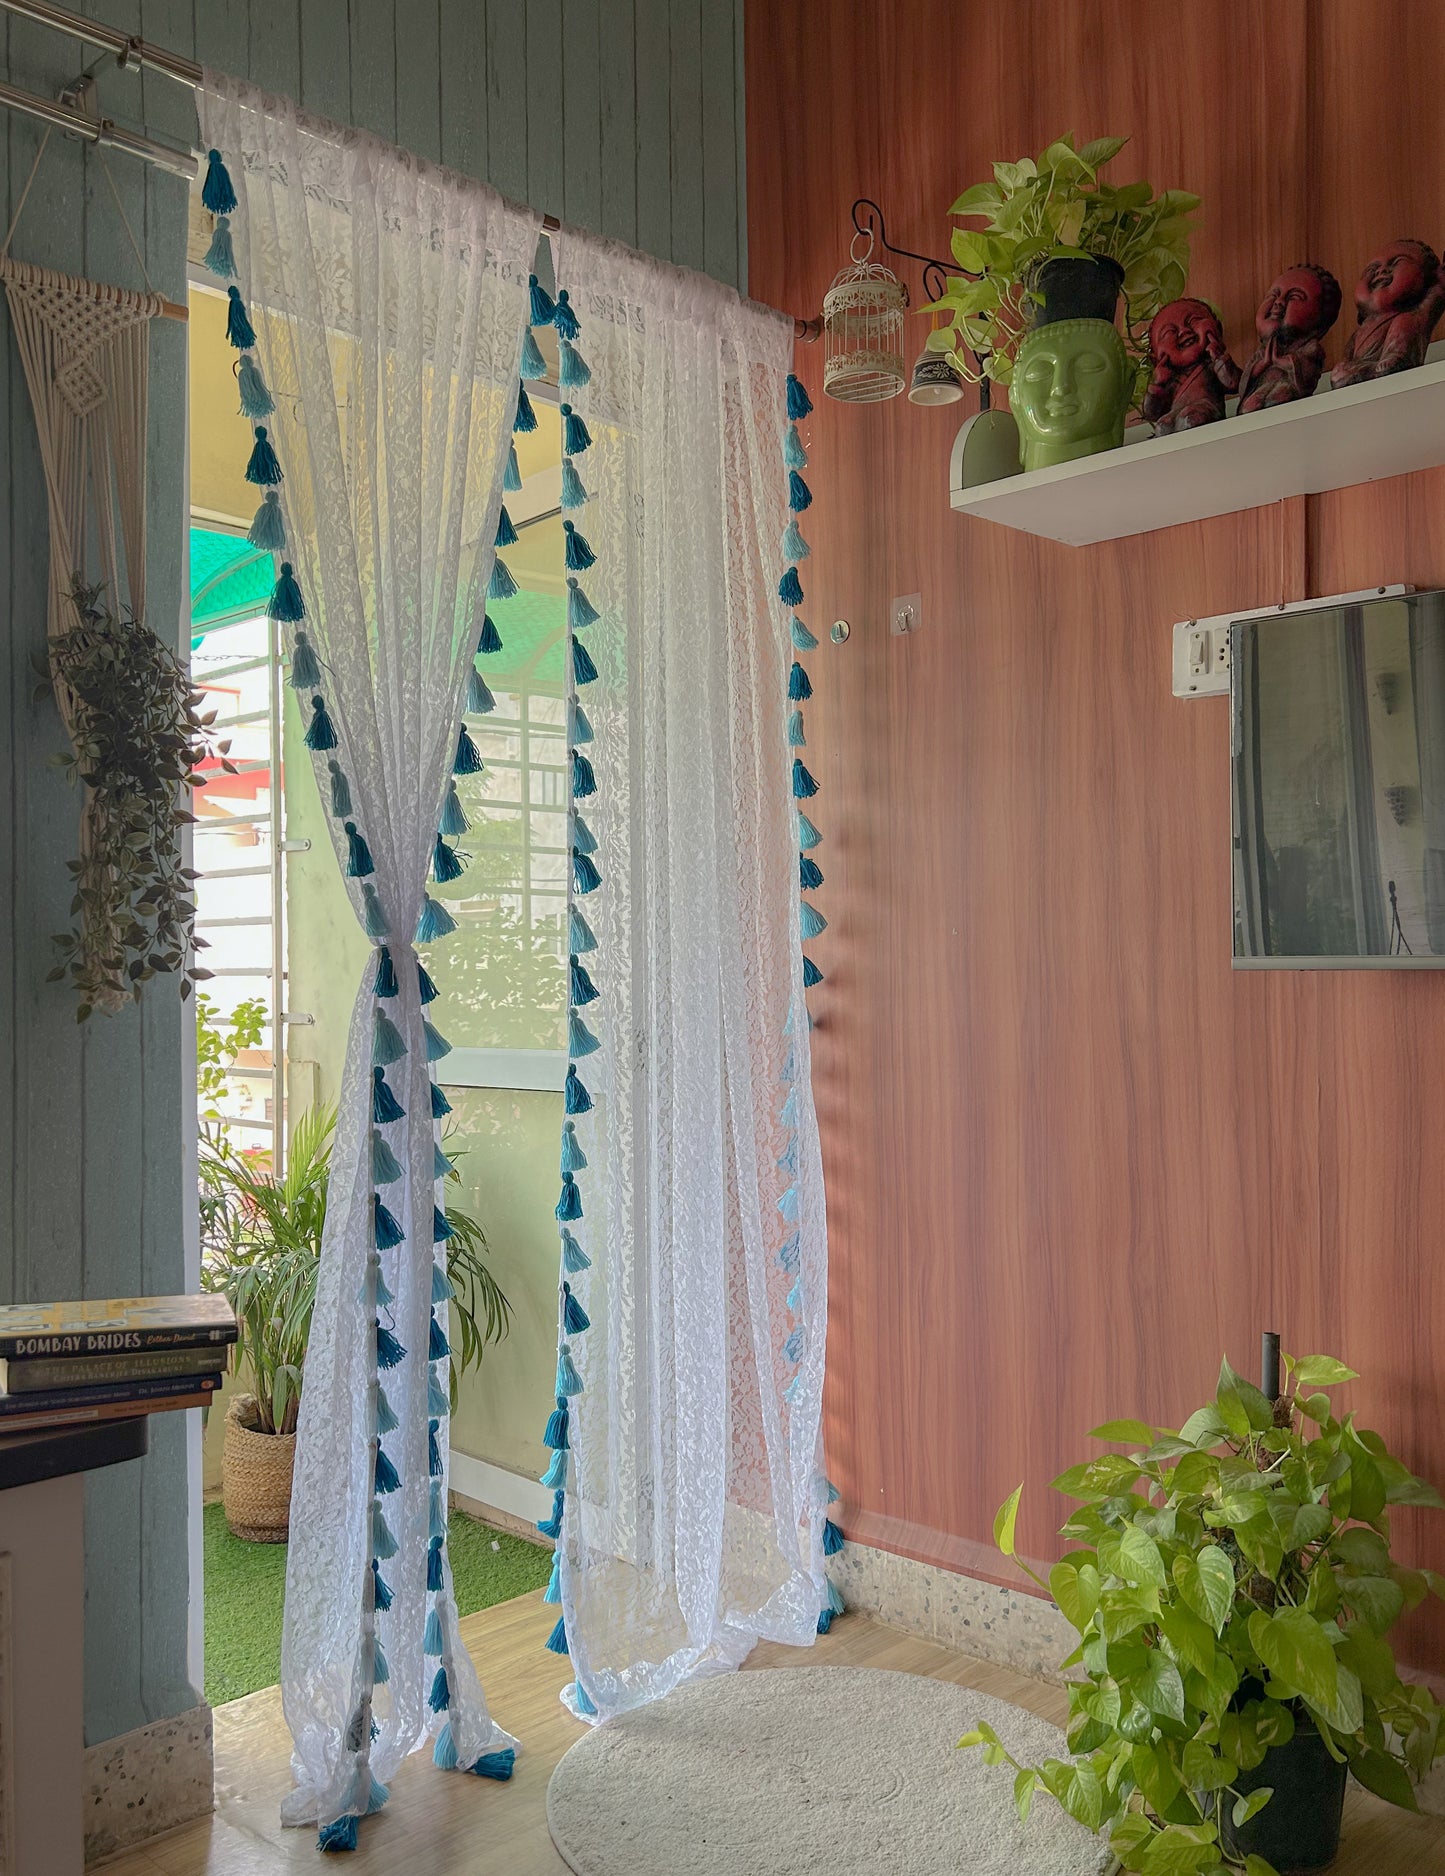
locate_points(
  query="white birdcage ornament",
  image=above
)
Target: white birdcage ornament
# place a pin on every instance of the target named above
(863, 330)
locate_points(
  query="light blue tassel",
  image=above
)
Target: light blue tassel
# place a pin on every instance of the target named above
(384, 1105)
(386, 1420)
(557, 1641)
(435, 921)
(575, 435)
(794, 455)
(800, 405)
(812, 921)
(583, 990)
(789, 1114)
(574, 1258)
(320, 733)
(479, 701)
(803, 639)
(496, 1765)
(501, 585)
(579, 724)
(385, 1473)
(454, 821)
(442, 1290)
(256, 399)
(580, 938)
(380, 1667)
(220, 256)
(384, 1297)
(383, 1544)
(490, 640)
(305, 669)
(436, 1397)
(585, 876)
(218, 196)
(563, 318)
(796, 738)
(794, 547)
(555, 1477)
(835, 1597)
(359, 863)
(793, 1347)
(800, 496)
(386, 1043)
(439, 1700)
(375, 918)
(534, 366)
(804, 787)
(385, 1166)
(794, 1389)
(379, 1795)
(444, 1753)
(569, 1205)
(542, 306)
(577, 550)
(569, 1382)
(268, 530)
(506, 533)
(580, 1039)
(574, 490)
(795, 1298)
(800, 687)
(441, 1166)
(525, 421)
(431, 1641)
(573, 1158)
(788, 1205)
(583, 839)
(808, 835)
(575, 1320)
(573, 370)
(446, 862)
(262, 468)
(436, 1512)
(239, 329)
(580, 611)
(512, 474)
(339, 1835)
(553, 1592)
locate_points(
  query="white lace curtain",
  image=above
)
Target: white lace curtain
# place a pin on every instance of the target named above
(693, 1502)
(389, 301)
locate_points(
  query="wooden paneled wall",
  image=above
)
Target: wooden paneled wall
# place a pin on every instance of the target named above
(1072, 1158)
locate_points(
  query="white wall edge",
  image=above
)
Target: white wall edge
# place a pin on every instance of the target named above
(505, 1491)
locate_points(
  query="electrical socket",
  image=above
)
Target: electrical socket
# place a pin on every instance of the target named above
(1201, 658)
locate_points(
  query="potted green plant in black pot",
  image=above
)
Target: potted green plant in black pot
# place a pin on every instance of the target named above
(1233, 1591)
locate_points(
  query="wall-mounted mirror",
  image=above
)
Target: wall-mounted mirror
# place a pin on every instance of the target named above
(1338, 721)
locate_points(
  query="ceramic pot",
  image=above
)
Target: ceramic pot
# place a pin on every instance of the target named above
(1069, 288)
(1070, 391)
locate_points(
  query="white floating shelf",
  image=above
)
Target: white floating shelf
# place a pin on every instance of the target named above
(1332, 440)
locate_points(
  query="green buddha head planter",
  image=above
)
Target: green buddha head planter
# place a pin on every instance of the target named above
(1070, 391)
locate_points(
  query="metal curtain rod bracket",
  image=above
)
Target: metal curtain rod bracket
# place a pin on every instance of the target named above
(131, 51)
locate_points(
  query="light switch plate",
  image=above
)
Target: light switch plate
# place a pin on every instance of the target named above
(1201, 658)
(905, 615)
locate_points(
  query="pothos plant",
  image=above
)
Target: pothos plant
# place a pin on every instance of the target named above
(138, 739)
(1234, 1581)
(1056, 207)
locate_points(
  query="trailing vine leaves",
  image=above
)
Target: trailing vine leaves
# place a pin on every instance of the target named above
(138, 741)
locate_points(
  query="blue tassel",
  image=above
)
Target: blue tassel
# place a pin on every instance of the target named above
(439, 1699)
(491, 639)
(574, 1160)
(794, 455)
(542, 305)
(574, 1258)
(572, 368)
(438, 1347)
(793, 1389)
(584, 778)
(534, 366)
(434, 1565)
(305, 669)
(832, 1538)
(584, 1702)
(467, 760)
(575, 435)
(574, 490)
(793, 1347)
(436, 1399)
(553, 1592)
(555, 1477)
(575, 1319)
(583, 839)
(338, 1836)
(583, 669)
(217, 193)
(787, 1160)
(436, 1043)
(525, 421)
(579, 724)
(803, 639)
(454, 820)
(442, 1288)
(569, 1382)
(359, 862)
(375, 918)
(512, 474)
(383, 1544)
(825, 1621)
(435, 921)
(790, 1067)
(256, 398)
(580, 611)
(381, 1597)
(506, 533)
(790, 1254)
(385, 984)
(790, 588)
(795, 1298)
(557, 1640)
(384, 1105)
(479, 700)
(552, 1527)
(585, 876)
(431, 1641)
(794, 547)
(380, 1667)
(445, 863)
(436, 1511)
(262, 469)
(555, 1434)
(220, 256)
(569, 1205)
(811, 974)
(379, 1796)
(810, 874)
(836, 1604)
(442, 1232)
(563, 318)
(800, 496)
(444, 1753)
(387, 1479)
(427, 993)
(800, 405)
(580, 936)
(803, 784)
(441, 1167)
(320, 733)
(239, 329)
(384, 1297)
(582, 988)
(496, 1765)
(386, 1043)
(800, 688)
(580, 1039)
(501, 585)
(268, 530)
(811, 920)
(385, 1166)
(386, 1420)
(808, 835)
(796, 738)
(386, 1234)
(440, 1105)
(578, 553)
(788, 1205)
(789, 1114)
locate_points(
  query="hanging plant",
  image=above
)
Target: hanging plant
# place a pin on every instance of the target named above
(138, 740)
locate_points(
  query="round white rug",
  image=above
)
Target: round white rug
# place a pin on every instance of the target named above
(851, 1771)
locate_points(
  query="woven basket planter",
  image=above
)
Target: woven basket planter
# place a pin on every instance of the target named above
(256, 1476)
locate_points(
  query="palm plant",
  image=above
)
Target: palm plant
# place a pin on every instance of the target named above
(261, 1248)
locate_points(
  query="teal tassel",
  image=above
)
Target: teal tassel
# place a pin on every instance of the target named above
(579, 724)
(788, 1205)
(543, 308)
(436, 1511)
(808, 835)
(557, 1640)
(810, 874)
(803, 639)
(793, 1389)
(574, 1160)
(832, 1538)
(811, 974)
(386, 1043)
(569, 1205)
(585, 876)
(435, 921)
(534, 366)
(506, 533)
(793, 1347)
(491, 639)
(359, 862)
(572, 368)
(812, 921)
(262, 469)
(552, 1526)
(584, 777)
(445, 862)
(320, 733)
(444, 1753)
(431, 1643)
(580, 611)
(835, 1595)
(575, 435)
(553, 1592)
(787, 1160)
(434, 1566)
(384, 1105)
(379, 1796)
(383, 1544)
(239, 329)
(800, 689)
(574, 490)
(569, 1382)
(563, 318)
(305, 667)
(380, 1667)
(574, 1258)
(794, 455)
(442, 1290)
(440, 1105)
(796, 738)
(442, 1232)
(385, 1473)
(803, 784)
(790, 1255)
(583, 990)
(468, 760)
(825, 1621)
(555, 1477)
(794, 547)
(384, 1297)
(583, 839)
(501, 585)
(525, 421)
(578, 552)
(376, 925)
(583, 669)
(584, 1701)
(575, 1319)
(385, 984)
(218, 195)
(427, 993)
(580, 1039)
(438, 1347)
(385, 1166)
(576, 1099)
(800, 496)
(441, 1167)
(479, 702)
(512, 474)
(386, 1420)
(795, 1298)
(454, 820)
(256, 398)
(789, 1113)
(580, 936)
(555, 1434)
(800, 405)
(436, 1399)
(496, 1765)
(386, 1233)
(381, 1597)
(338, 1836)
(436, 1043)
(439, 1700)
(267, 530)
(790, 588)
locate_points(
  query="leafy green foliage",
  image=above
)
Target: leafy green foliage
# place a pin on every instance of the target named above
(261, 1249)
(1052, 208)
(1233, 1581)
(138, 740)
(219, 1040)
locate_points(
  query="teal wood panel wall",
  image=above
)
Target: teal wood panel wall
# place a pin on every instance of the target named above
(622, 116)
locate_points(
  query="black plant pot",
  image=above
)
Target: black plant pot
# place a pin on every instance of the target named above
(1298, 1831)
(1077, 289)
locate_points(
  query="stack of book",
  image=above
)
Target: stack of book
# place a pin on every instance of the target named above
(65, 1363)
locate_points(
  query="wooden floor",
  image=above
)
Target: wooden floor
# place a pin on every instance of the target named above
(437, 1825)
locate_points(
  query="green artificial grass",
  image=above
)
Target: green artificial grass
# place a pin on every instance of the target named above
(246, 1585)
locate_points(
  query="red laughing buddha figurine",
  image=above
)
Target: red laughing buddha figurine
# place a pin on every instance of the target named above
(1297, 312)
(1397, 303)
(1192, 369)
